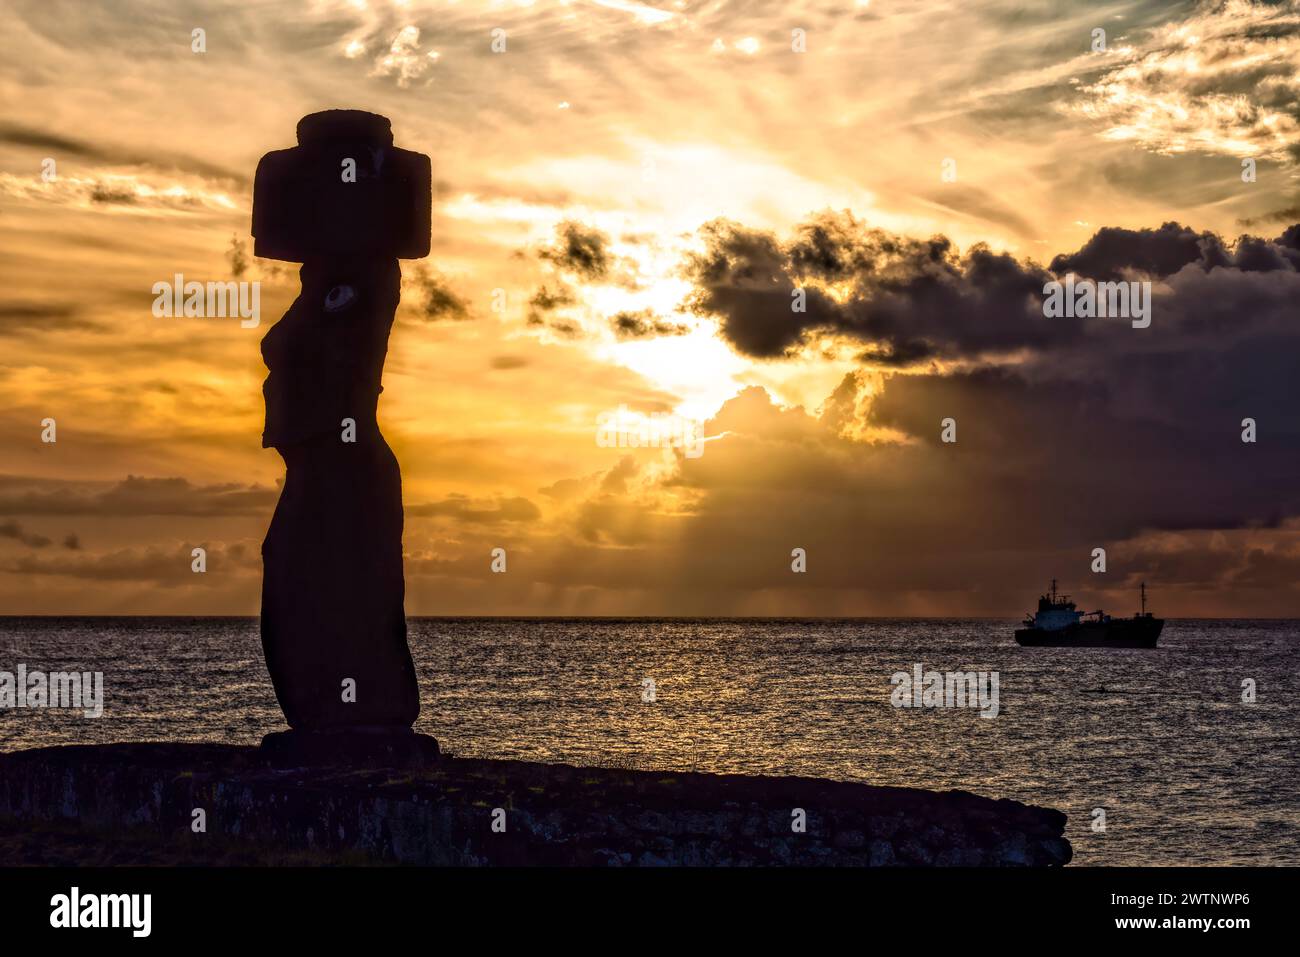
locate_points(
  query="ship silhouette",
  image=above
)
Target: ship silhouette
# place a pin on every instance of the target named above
(1059, 624)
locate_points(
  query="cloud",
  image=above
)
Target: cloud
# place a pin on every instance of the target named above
(139, 193)
(135, 496)
(1287, 214)
(17, 318)
(545, 301)
(462, 508)
(1156, 252)
(1223, 80)
(1044, 469)
(580, 250)
(643, 324)
(911, 301)
(1113, 253)
(59, 145)
(438, 301)
(237, 256)
(838, 276)
(937, 326)
(168, 566)
(1265, 559)
(18, 533)
(1068, 438)
(403, 59)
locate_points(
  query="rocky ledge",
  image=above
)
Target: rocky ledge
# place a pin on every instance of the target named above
(478, 812)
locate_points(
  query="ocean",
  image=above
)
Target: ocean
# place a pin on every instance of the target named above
(1161, 741)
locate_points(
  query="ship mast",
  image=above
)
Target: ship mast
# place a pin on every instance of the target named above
(1144, 599)
(1053, 591)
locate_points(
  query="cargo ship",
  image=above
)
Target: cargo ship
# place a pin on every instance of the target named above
(1059, 624)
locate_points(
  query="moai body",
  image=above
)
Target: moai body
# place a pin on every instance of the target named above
(346, 204)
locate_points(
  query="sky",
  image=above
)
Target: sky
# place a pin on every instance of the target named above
(628, 199)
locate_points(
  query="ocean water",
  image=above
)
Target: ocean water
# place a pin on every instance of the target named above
(1186, 772)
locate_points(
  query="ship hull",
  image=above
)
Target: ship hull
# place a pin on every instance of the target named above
(1116, 633)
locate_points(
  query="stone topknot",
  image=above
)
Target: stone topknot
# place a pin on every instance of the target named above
(344, 125)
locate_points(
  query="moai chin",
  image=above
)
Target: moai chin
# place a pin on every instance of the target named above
(347, 204)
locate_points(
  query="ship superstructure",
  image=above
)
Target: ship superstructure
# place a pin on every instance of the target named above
(1059, 623)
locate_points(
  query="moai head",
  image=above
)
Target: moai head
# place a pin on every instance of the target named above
(344, 191)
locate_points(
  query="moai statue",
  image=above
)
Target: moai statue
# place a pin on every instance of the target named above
(346, 204)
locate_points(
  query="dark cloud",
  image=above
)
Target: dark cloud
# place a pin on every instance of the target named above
(1288, 214)
(570, 330)
(19, 534)
(1156, 252)
(112, 196)
(644, 324)
(914, 300)
(742, 277)
(545, 301)
(1070, 436)
(1290, 237)
(237, 254)
(1107, 458)
(580, 250)
(1113, 253)
(917, 297)
(902, 353)
(437, 300)
(1043, 471)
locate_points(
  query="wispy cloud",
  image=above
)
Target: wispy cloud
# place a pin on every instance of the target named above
(1223, 81)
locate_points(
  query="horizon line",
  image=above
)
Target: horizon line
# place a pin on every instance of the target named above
(7, 617)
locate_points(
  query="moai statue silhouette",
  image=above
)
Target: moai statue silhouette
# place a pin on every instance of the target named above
(346, 204)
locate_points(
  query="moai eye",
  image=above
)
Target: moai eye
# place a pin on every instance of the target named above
(339, 298)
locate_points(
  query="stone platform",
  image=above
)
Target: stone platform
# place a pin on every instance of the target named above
(479, 812)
